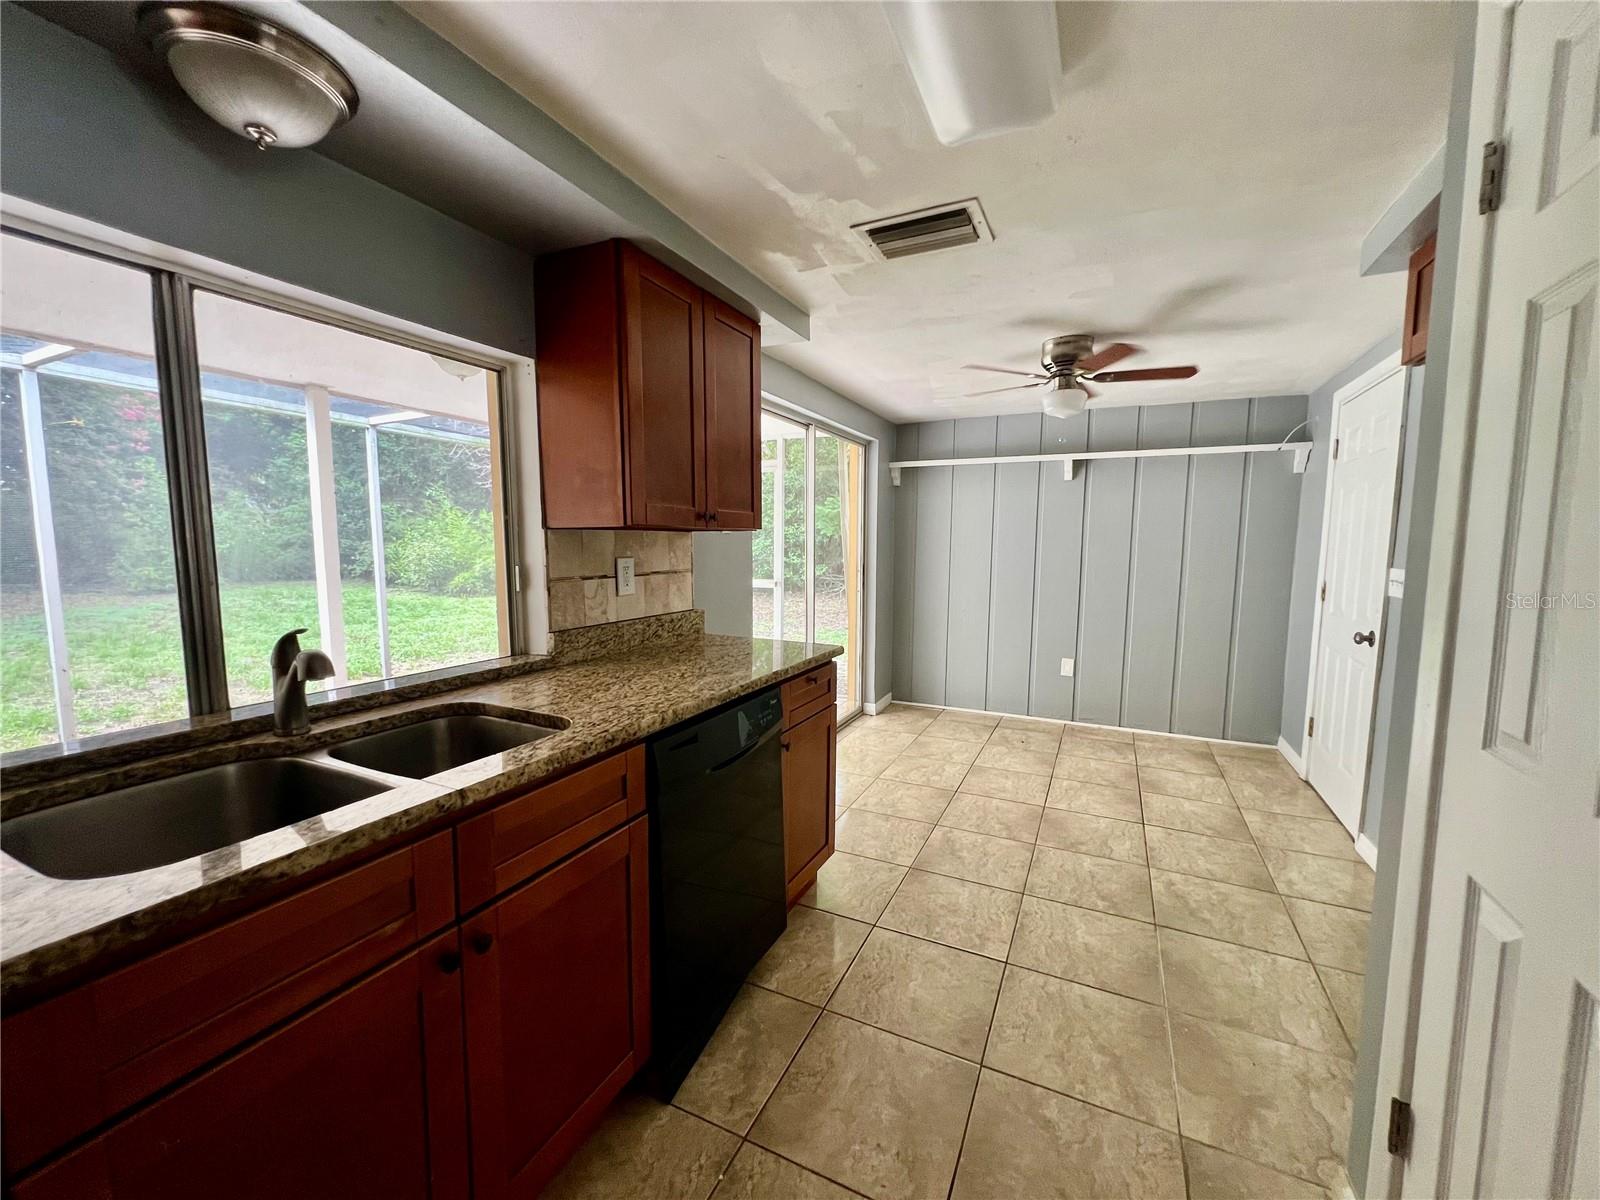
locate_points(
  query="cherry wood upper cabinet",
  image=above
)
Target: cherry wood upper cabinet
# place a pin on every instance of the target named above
(364, 1095)
(649, 397)
(733, 418)
(1419, 300)
(557, 988)
(665, 388)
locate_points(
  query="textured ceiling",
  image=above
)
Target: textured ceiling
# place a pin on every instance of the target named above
(1203, 188)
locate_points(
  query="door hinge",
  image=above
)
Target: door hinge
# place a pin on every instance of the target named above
(1399, 1127)
(1492, 183)
(1336, 447)
(1324, 595)
(1311, 727)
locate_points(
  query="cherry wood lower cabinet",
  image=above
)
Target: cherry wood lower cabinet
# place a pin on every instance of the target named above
(810, 753)
(557, 1010)
(361, 1096)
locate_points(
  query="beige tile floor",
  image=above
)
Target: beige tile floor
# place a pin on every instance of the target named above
(1046, 961)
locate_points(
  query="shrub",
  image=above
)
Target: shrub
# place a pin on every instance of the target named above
(443, 548)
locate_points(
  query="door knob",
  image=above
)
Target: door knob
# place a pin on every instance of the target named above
(1368, 638)
(481, 943)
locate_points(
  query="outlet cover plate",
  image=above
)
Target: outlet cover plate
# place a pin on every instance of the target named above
(625, 577)
(1068, 666)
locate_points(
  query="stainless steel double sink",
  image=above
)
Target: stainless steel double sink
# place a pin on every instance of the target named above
(168, 820)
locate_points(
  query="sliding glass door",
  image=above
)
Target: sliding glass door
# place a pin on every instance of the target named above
(806, 564)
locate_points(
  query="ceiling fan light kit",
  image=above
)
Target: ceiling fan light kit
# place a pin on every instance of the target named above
(1070, 361)
(252, 77)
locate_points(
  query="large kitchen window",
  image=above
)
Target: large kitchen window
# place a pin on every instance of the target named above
(806, 560)
(328, 479)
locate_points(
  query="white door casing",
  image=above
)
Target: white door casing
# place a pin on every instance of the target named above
(1495, 963)
(1358, 534)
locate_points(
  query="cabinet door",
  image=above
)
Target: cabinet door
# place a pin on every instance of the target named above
(362, 1096)
(808, 798)
(1419, 301)
(558, 1010)
(733, 418)
(663, 318)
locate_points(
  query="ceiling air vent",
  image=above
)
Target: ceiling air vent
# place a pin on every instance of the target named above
(927, 229)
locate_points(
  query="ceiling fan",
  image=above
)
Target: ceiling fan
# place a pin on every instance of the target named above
(1070, 362)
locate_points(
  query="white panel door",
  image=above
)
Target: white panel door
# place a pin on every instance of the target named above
(1360, 529)
(1506, 1075)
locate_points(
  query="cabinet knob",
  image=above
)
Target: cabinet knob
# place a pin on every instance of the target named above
(784, 743)
(481, 943)
(712, 517)
(450, 961)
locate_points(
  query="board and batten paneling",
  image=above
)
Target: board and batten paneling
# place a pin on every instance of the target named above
(1166, 580)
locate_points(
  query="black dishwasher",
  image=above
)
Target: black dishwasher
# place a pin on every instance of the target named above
(716, 872)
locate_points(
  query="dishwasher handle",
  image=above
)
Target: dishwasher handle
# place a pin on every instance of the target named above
(761, 741)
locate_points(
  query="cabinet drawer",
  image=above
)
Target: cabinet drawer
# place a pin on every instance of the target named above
(802, 694)
(514, 840)
(362, 1095)
(74, 1061)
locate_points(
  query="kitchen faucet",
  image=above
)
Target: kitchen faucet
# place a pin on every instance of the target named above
(292, 669)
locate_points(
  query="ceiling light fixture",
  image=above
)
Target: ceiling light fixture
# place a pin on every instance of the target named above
(1064, 401)
(981, 68)
(255, 78)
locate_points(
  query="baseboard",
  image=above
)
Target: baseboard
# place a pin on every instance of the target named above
(1368, 851)
(1294, 758)
(873, 707)
(994, 712)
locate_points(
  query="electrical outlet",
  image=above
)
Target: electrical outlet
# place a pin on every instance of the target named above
(1067, 666)
(624, 576)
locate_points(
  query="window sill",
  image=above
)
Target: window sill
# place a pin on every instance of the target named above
(43, 763)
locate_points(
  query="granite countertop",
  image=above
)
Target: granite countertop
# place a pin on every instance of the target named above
(58, 927)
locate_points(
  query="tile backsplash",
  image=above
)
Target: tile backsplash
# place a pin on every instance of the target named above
(581, 565)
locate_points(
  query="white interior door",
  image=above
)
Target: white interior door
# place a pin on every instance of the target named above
(1505, 1079)
(1359, 530)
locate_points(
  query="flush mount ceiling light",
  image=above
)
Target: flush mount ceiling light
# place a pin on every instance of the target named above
(255, 78)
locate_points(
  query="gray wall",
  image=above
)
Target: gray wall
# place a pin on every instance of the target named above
(722, 560)
(722, 581)
(82, 135)
(1167, 580)
(1308, 541)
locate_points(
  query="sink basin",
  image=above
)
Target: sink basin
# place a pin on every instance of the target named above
(428, 747)
(168, 820)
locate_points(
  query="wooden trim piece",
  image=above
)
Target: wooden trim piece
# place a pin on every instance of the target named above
(499, 849)
(1419, 301)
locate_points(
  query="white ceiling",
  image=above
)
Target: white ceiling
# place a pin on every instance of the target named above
(1202, 190)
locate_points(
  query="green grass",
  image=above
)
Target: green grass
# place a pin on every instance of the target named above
(127, 657)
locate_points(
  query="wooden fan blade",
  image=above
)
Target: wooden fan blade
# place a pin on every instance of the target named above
(1003, 371)
(1019, 387)
(1105, 356)
(1147, 373)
